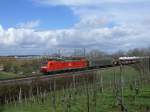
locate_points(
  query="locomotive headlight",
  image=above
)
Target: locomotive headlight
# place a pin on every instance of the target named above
(43, 69)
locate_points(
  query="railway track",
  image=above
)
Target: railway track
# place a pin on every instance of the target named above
(30, 79)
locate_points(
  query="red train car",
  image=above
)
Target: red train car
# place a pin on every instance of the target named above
(58, 65)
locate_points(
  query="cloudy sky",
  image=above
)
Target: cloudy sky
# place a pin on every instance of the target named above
(40, 26)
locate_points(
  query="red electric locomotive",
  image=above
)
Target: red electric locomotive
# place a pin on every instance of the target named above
(59, 65)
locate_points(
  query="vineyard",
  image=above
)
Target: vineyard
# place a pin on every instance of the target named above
(74, 56)
(118, 89)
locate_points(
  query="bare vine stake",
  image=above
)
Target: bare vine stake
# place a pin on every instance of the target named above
(9, 99)
(147, 67)
(148, 70)
(50, 87)
(121, 101)
(20, 95)
(98, 81)
(14, 100)
(115, 85)
(135, 86)
(44, 97)
(95, 95)
(6, 102)
(30, 95)
(148, 75)
(110, 84)
(39, 96)
(69, 100)
(63, 99)
(74, 81)
(101, 83)
(121, 88)
(54, 97)
(37, 91)
(148, 79)
(87, 91)
(25, 100)
(140, 67)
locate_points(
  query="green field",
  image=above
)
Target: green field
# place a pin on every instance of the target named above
(6, 75)
(90, 98)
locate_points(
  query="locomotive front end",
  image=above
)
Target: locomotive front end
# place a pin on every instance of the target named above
(43, 69)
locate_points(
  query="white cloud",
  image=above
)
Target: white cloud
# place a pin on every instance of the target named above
(84, 2)
(29, 24)
(94, 22)
(107, 39)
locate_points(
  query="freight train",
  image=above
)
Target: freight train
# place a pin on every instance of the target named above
(59, 65)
